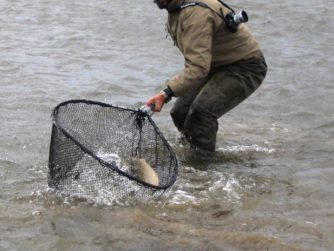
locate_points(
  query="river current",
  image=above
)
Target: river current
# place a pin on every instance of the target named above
(270, 185)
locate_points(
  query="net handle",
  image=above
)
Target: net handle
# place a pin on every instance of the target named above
(148, 109)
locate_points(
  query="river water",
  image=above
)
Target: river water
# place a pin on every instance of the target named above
(270, 185)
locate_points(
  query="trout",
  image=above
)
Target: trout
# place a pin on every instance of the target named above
(143, 171)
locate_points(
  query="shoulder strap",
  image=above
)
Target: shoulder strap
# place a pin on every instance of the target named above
(225, 5)
(186, 5)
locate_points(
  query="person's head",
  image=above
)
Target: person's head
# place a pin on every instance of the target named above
(162, 4)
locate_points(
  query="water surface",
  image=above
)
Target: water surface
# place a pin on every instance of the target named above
(269, 187)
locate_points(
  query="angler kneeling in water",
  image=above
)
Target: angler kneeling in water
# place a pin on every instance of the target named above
(223, 66)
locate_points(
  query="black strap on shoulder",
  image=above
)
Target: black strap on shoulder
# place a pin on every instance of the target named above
(224, 4)
(186, 5)
(193, 4)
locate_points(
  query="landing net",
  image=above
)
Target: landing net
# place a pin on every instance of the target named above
(92, 145)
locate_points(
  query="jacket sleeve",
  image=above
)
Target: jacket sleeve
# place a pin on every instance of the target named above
(196, 47)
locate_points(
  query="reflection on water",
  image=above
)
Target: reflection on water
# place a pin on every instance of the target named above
(269, 185)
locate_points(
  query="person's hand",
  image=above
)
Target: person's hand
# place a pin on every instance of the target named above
(158, 101)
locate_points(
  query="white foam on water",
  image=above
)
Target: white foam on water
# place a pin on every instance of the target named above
(247, 149)
(109, 157)
(97, 185)
(113, 158)
(230, 186)
(181, 197)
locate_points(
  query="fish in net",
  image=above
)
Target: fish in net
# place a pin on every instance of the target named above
(99, 149)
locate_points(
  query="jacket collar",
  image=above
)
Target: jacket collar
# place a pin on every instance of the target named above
(174, 4)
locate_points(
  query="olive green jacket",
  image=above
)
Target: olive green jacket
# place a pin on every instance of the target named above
(205, 42)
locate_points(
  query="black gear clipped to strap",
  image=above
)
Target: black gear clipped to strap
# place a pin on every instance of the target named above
(186, 4)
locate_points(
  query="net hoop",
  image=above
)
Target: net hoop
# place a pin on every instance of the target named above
(104, 163)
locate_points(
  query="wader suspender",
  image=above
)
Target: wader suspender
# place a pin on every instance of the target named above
(186, 4)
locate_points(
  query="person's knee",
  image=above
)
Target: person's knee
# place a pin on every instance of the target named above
(174, 113)
(178, 117)
(201, 128)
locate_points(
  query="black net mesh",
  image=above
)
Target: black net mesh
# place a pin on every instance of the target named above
(93, 146)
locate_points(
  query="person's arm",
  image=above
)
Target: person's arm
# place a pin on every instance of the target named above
(196, 39)
(196, 46)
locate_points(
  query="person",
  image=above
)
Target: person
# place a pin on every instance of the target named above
(223, 66)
